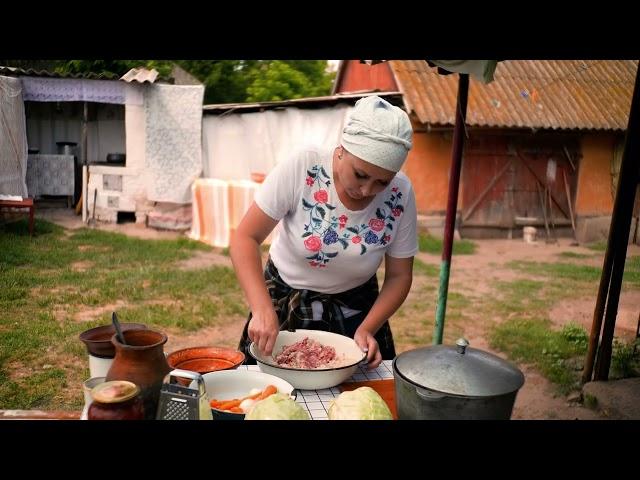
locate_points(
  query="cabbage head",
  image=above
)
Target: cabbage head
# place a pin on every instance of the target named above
(363, 403)
(278, 406)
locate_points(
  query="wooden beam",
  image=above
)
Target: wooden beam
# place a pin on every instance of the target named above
(542, 184)
(566, 188)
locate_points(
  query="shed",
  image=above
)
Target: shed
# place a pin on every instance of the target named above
(131, 142)
(543, 139)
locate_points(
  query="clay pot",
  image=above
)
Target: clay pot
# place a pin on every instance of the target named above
(98, 339)
(141, 361)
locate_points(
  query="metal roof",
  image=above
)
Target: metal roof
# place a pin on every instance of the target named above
(540, 94)
(307, 102)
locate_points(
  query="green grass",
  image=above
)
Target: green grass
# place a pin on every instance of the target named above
(430, 244)
(421, 268)
(554, 352)
(49, 280)
(576, 272)
(598, 246)
(574, 255)
(569, 271)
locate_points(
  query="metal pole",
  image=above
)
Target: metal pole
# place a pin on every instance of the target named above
(452, 204)
(611, 279)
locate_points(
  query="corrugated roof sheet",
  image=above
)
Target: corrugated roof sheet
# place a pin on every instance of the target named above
(140, 75)
(29, 72)
(549, 94)
(352, 97)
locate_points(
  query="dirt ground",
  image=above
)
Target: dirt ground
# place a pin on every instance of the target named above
(536, 399)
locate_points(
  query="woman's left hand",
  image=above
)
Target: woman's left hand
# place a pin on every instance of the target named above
(368, 343)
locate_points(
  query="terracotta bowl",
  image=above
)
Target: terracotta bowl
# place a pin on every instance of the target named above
(205, 359)
(98, 339)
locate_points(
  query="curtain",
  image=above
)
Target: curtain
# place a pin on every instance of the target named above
(13, 138)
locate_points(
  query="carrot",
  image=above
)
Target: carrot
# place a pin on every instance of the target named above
(236, 410)
(269, 390)
(230, 403)
(235, 402)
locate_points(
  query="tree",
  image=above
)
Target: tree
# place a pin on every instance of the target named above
(234, 81)
(282, 80)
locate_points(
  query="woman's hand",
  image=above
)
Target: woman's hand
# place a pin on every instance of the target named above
(369, 344)
(263, 329)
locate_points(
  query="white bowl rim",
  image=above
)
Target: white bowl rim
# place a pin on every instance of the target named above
(291, 369)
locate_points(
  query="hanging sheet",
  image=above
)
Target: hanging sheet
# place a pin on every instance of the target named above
(38, 89)
(13, 138)
(173, 141)
(236, 145)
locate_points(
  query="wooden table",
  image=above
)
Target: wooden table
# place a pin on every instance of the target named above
(315, 402)
(21, 204)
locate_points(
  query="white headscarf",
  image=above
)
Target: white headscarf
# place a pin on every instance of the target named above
(378, 133)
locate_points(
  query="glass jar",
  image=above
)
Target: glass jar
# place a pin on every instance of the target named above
(116, 400)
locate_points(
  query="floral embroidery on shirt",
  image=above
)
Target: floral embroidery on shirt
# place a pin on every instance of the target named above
(323, 227)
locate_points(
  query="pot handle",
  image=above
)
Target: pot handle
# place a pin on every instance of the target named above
(429, 394)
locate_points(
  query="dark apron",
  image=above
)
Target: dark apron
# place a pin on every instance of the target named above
(294, 311)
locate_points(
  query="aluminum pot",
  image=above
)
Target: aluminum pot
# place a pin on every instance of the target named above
(442, 382)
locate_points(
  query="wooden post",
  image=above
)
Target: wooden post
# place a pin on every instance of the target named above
(566, 188)
(617, 244)
(543, 205)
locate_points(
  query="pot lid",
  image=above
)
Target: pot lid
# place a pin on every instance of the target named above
(459, 370)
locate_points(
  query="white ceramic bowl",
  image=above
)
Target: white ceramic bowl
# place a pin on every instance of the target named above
(228, 384)
(312, 379)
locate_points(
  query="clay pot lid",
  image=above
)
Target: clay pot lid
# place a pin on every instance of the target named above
(115, 391)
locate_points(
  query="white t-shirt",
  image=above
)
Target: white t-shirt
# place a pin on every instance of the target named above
(323, 246)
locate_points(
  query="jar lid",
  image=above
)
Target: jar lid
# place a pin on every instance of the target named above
(459, 370)
(115, 391)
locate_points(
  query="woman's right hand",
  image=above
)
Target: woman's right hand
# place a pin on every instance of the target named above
(263, 330)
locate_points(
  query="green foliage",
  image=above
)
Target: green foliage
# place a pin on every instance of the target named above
(625, 359)
(282, 80)
(225, 81)
(576, 335)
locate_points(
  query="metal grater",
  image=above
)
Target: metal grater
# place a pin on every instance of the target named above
(178, 402)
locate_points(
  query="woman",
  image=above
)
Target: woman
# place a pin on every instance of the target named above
(340, 211)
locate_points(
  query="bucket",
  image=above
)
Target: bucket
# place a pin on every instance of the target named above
(529, 234)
